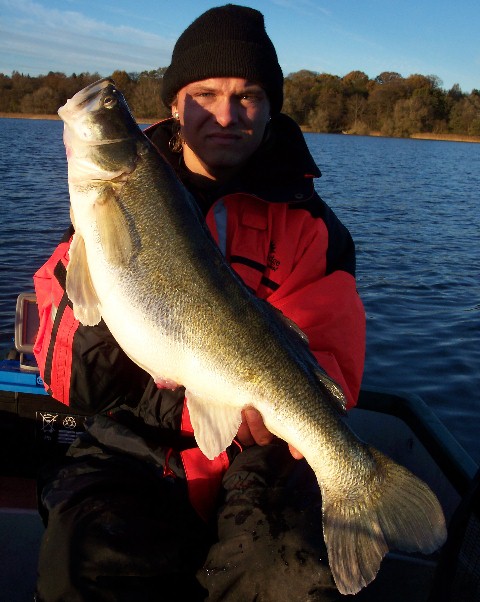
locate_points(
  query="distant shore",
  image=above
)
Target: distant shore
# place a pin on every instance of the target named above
(49, 117)
(444, 137)
(27, 116)
(419, 136)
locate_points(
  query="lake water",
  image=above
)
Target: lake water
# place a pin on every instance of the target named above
(413, 209)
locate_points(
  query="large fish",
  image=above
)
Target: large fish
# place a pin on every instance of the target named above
(142, 259)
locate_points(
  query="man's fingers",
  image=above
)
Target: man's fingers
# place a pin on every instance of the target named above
(253, 430)
(257, 427)
(244, 435)
(258, 430)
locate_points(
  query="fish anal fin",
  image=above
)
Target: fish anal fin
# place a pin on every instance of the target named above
(396, 511)
(214, 426)
(79, 285)
(112, 225)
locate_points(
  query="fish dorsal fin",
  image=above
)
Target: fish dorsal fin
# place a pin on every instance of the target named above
(115, 236)
(79, 285)
(333, 391)
(214, 426)
(290, 324)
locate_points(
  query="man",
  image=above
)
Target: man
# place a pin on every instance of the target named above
(135, 511)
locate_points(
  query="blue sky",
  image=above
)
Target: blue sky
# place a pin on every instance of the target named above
(430, 37)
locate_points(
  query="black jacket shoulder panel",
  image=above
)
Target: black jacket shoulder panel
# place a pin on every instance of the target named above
(341, 248)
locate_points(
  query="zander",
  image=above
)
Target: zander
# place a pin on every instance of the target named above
(143, 260)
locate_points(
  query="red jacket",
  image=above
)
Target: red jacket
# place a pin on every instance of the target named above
(288, 247)
(280, 251)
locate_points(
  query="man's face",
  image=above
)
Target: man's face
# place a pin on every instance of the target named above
(222, 123)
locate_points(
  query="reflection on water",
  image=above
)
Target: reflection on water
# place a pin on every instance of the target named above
(412, 207)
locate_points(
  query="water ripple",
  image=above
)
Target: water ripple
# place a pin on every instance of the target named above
(412, 207)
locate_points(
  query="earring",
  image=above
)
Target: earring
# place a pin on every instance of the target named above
(175, 115)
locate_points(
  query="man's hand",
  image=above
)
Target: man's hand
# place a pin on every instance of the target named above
(253, 430)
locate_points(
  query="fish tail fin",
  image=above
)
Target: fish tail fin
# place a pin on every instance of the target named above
(396, 510)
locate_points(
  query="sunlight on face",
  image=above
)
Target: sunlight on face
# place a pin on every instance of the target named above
(222, 123)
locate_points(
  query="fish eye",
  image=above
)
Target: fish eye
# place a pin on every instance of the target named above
(109, 102)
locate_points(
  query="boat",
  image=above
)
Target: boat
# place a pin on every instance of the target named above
(34, 428)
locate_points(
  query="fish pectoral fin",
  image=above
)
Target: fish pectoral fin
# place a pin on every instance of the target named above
(214, 425)
(112, 225)
(79, 285)
(395, 511)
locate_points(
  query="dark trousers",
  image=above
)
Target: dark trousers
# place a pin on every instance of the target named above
(117, 531)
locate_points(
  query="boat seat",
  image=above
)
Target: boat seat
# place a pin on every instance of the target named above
(457, 577)
(26, 328)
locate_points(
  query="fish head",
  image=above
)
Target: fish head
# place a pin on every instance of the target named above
(102, 139)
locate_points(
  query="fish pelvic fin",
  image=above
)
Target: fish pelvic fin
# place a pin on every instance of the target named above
(112, 225)
(214, 425)
(397, 511)
(79, 285)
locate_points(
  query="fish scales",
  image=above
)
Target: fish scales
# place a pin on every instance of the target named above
(220, 302)
(143, 260)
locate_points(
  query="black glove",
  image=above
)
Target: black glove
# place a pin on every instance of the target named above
(270, 542)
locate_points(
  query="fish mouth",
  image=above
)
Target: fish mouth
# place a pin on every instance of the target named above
(93, 114)
(100, 134)
(87, 99)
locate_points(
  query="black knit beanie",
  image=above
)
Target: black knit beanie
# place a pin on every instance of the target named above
(227, 41)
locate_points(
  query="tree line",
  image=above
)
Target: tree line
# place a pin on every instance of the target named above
(389, 104)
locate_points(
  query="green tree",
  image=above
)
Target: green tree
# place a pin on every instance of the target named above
(395, 105)
(465, 116)
(356, 92)
(300, 95)
(146, 100)
(388, 89)
(329, 104)
(42, 101)
(5, 93)
(124, 83)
